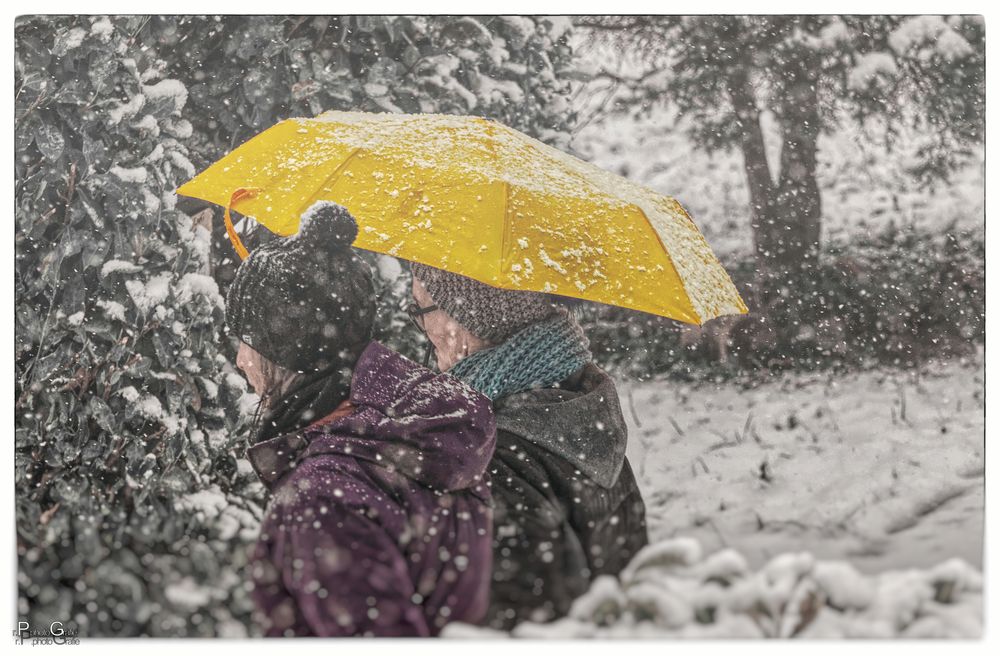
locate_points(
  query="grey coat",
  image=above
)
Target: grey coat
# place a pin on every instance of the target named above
(567, 507)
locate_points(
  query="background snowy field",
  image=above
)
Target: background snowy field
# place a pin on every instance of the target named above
(884, 469)
(813, 506)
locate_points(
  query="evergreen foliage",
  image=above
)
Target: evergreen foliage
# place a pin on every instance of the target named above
(135, 507)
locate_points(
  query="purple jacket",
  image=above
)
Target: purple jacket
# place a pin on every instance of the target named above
(381, 521)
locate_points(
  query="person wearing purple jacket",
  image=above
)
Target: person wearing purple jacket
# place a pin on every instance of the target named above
(380, 523)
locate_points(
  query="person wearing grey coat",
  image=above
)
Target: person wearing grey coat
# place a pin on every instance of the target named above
(566, 504)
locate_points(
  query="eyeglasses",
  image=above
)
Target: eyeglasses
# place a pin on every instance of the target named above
(416, 314)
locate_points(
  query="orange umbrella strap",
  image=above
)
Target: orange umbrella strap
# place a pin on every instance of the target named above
(238, 195)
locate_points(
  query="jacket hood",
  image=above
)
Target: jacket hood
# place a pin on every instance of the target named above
(582, 423)
(432, 428)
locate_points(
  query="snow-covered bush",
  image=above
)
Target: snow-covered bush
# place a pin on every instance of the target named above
(671, 591)
(128, 418)
(246, 73)
(134, 505)
(895, 298)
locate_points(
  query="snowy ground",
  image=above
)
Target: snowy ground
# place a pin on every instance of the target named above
(884, 469)
(810, 507)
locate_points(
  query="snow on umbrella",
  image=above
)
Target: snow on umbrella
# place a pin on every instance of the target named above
(475, 197)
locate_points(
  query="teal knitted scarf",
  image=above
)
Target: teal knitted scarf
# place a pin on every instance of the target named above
(540, 355)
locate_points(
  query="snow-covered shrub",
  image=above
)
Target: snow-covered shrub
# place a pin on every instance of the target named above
(246, 73)
(133, 514)
(895, 298)
(135, 506)
(670, 591)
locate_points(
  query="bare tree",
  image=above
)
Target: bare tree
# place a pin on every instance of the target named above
(812, 73)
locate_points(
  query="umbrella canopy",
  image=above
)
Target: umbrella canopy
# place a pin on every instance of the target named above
(477, 198)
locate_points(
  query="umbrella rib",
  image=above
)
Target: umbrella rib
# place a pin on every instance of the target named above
(336, 174)
(505, 232)
(699, 320)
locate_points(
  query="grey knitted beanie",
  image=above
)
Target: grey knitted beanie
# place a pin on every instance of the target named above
(488, 312)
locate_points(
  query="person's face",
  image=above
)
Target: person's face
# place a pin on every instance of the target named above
(451, 340)
(249, 362)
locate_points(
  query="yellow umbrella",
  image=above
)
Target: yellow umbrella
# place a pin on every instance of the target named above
(475, 197)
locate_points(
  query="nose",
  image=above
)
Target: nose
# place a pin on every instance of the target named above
(243, 360)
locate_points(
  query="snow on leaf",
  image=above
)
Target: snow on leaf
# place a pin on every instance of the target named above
(119, 266)
(172, 89)
(915, 31)
(136, 175)
(68, 40)
(208, 503)
(148, 295)
(951, 45)
(128, 109)
(198, 284)
(872, 67)
(102, 28)
(188, 594)
(113, 309)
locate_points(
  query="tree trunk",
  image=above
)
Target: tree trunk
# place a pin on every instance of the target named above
(754, 161)
(797, 211)
(785, 217)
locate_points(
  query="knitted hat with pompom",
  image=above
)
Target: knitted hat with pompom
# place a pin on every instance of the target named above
(306, 302)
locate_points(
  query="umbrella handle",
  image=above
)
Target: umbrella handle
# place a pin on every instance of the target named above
(238, 195)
